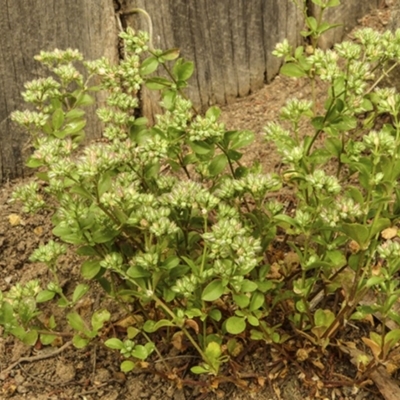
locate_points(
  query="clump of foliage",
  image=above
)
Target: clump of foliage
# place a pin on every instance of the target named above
(177, 230)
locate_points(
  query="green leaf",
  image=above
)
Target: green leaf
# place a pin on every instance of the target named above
(136, 272)
(374, 280)
(79, 292)
(292, 70)
(169, 97)
(183, 70)
(47, 339)
(241, 300)
(76, 322)
(356, 194)
(99, 318)
(199, 370)
(253, 321)
(44, 295)
(139, 352)
(84, 99)
(132, 332)
(127, 366)
(217, 165)
(213, 113)
(90, 268)
(114, 343)
(52, 322)
(318, 123)
(337, 258)
(104, 183)
(392, 337)
(213, 351)
(323, 318)
(312, 23)
(201, 147)
(57, 119)
(325, 26)
(30, 338)
(300, 306)
(334, 146)
(74, 127)
(104, 235)
(152, 326)
(87, 251)
(235, 325)
(241, 139)
(378, 226)
(345, 123)
(82, 192)
(169, 55)
(158, 83)
(74, 114)
(34, 163)
(264, 286)
(234, 155)
(171, 262)
(248, 286)
(332, 3)
(149, 65)
(79, 342)
(317, 2)
(213, 291)
(215, 314)
(257, 300)
(359, 233)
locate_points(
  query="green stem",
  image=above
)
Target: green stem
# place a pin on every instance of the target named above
(385, 74)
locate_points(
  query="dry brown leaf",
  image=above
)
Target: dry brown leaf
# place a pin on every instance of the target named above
(191, 323)
(376, 269)
(277, 391)
(15, 219)
(375, 348)
(178, 342)
(38, 231)
(261, 380)
(291, 261)
(238, 349)
(130, 320)
(354, 247)
(302, 355)
(389, 233)
(319, 364)
(391, 368)
(274, 272)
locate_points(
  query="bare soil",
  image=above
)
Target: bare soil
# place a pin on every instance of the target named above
(63, 372)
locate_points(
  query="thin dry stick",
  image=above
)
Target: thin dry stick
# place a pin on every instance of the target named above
(34, 358)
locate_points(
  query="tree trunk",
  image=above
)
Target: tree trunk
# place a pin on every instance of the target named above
(26, 27)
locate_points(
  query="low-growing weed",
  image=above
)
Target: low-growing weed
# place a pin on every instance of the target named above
(180, 232)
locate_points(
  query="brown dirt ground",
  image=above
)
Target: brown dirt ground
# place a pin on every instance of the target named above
(93, 373)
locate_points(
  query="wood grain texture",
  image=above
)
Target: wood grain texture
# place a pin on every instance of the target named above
(230, 42)
(26, 27)
(347, 14)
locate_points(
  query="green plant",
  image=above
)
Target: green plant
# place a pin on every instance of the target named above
(176, 229)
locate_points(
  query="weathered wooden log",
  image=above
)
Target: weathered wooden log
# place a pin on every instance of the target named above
(26, 27)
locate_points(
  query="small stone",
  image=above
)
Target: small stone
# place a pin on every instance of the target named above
(101, 375)
(19, 379)
(22, 389)
(65, 371)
